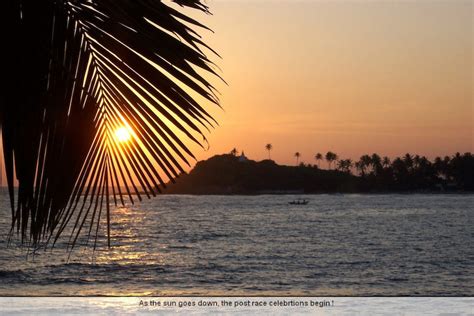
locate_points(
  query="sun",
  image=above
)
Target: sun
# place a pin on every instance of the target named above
(123, 134)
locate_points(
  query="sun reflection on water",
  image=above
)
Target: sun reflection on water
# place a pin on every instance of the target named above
(225, 245)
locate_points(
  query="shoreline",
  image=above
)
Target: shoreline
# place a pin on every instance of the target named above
(318, 193)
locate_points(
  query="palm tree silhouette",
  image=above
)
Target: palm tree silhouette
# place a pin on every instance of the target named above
(348, 165)
(376, 163)
(330, 157)
(345, 165)
(318, 158)
(77, 72)
(269, 147)
(341, 165)
(364, 162)
(297, 155)
(360, 167)
(408, 160)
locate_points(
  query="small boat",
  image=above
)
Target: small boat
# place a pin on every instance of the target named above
(299, 202)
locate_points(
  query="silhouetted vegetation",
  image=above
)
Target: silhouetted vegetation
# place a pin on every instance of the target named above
(225, 174)
(297, 156)
(417, 173)
(318, 157)
(269, 148)
(76, 71)
(330, 158)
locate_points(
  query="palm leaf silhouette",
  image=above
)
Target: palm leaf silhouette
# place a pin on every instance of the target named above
(77, 70)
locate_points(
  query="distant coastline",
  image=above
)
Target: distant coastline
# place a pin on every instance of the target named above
(229, 174)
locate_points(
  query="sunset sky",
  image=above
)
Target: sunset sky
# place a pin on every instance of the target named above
(353, 77)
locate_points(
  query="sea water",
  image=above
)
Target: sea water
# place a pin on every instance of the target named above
(337, 245)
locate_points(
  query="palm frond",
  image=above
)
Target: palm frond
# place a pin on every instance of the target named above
(79, 70)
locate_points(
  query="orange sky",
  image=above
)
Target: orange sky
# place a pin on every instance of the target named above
(353, 77)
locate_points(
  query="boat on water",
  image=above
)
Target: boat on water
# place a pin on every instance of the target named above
(299, 202)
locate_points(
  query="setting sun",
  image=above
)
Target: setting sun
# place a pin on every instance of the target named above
(123, 134)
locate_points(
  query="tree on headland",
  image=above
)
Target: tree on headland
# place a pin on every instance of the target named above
(417, 161)
(318, 158)
(234, 152)
(349, 165)
(330, 158)
(297, 155)
(359, 167)
(440, 167)
(408, 160)
(364, 163)
(269, 148)
(78, 72)
(415, 172)
(376, 163)
(452, 174)
(345, 165)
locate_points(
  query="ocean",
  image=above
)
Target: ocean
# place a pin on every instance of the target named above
(337, 245)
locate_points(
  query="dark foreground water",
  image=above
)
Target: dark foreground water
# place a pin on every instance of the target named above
(260, 245)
